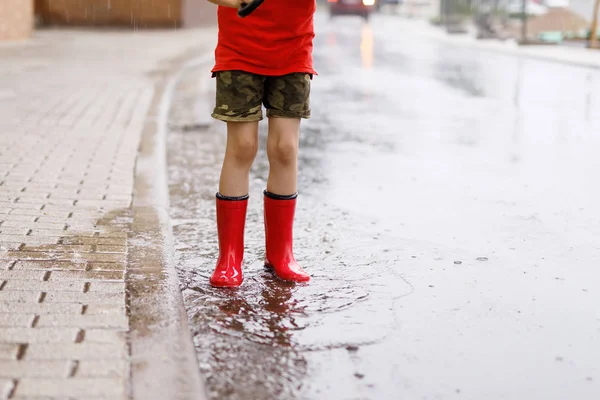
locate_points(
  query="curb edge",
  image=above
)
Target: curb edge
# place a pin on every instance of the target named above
(163, 358)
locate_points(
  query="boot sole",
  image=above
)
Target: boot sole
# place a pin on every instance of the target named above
(271, 269)
(225, 286)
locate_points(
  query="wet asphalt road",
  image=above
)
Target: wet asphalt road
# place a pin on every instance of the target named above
(448, 214)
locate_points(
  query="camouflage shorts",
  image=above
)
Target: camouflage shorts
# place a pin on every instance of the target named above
(241, 95)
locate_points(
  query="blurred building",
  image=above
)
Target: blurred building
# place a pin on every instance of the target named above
(18, 17)
(556, 18)
(125, 13)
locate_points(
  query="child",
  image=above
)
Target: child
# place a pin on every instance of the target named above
(263, 59)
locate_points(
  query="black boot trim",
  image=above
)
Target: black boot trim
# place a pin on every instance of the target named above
(280, 197)
(227, 198)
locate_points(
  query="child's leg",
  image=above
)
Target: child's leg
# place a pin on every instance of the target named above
(287, 101)
(282, 151)
(242, 145)
(239, 103)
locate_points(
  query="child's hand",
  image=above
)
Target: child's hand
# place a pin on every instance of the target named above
(234, 3)
(230, 3)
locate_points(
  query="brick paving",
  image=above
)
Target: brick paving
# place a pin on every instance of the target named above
(72, 108)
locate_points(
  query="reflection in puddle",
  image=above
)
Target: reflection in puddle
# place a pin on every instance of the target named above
(366, 46)
(518, 84)
(268, 316)
(588, 95)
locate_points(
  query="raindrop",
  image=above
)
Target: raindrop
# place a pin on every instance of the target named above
(359, 375)
(481, 258)
(457, 262)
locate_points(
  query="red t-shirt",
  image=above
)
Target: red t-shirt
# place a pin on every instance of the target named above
(276, 39)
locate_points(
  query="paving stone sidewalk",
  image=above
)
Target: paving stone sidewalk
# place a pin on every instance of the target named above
(72, 108)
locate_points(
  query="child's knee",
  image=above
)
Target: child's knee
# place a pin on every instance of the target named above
(243, 149)
(284, 150)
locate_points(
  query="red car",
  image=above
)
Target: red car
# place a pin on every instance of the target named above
(362, 8)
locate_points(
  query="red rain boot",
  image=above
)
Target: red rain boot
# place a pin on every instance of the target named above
(231, 219)
(279, 221)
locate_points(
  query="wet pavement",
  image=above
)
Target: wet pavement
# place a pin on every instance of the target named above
(447, 213)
